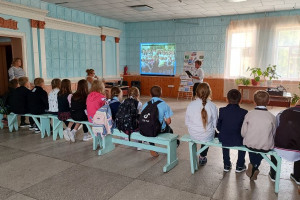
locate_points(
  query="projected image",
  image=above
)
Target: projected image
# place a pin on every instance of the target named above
(158, 59)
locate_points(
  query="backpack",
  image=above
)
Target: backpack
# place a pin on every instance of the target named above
(102, 121)
(149, 123)
(127, 116)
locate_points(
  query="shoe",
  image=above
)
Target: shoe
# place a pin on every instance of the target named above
(202, 161)
(72, 135)
(23, 125)
(240, 169)
(154, 154)
(87, 137)
(272, 177)
(252, 172)
(37, 131)
(66, 134)
(31, 127)
(227, 167)
(297, 180)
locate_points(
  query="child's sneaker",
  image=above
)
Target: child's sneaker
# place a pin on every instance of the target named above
(252, 172)
(297, 180)
(202, 161)
(87, 137)
(72, 135)
(37, 131)
(67, 134)
(227, 167)
(154, 153)
(23, 125)
(240, 169)
(272, 177)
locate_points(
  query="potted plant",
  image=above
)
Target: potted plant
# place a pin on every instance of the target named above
(242, 80)
(271, 74)
(295, 97)
(256, 72)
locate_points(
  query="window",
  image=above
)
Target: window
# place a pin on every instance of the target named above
(288, 52)
(241, 52)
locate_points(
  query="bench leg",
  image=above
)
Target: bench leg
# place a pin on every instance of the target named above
(1, 124)
(58, 127)
(38, 124)
(45, 126)
(193, 157)
(12, 122)
(172, 159)
(278, 170)
(107, 145)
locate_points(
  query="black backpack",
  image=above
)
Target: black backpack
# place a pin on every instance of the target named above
(149, 123)
(127, 116)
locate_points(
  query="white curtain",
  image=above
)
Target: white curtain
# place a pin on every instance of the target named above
(261, 42)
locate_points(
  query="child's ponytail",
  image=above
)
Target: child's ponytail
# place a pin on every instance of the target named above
(203, 92)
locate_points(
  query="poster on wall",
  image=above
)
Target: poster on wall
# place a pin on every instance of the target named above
(189, 60)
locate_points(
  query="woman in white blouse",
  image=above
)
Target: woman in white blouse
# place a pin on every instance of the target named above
(52, 98)
(201, 118)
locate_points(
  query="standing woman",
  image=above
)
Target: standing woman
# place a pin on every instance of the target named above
(198, 76)
(90, 77)
(16, 71)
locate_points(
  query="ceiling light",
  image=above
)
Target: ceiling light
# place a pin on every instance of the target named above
(141, 7)
(61, 3)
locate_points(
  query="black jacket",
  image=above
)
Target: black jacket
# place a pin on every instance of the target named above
(230, 123)
(19, 100)
(37, 101)
(9, 96)
(288, 132)
(77, 109)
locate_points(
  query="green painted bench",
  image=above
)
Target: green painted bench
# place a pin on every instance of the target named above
(194, 155)
(167, 139)
(43, 123)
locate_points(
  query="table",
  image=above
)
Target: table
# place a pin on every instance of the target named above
(280, 101)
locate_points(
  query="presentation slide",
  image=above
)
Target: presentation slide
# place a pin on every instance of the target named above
(158, 59)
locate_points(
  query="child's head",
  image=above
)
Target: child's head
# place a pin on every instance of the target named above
(55, 83)
(134, 92)
(261, 98)
(156, 91)
(23, 81)
(198, 63)
(14, 83)
(234, 96)
(90, 72)
(116, 92)
(65, 87)
(39, 82)
(82, 90)
(98, 86)
(203, 92)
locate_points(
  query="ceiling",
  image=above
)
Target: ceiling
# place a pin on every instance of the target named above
(174, 9)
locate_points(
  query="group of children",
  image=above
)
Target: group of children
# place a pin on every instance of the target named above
(234, 126)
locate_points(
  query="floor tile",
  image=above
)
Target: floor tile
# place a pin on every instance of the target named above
(5, 193)
(8, 154)
(72, 152)
(138, 190)
(204, 182)
(28, 170)
(79, 182)
(124, 161)
(5, 135)
(19, 197)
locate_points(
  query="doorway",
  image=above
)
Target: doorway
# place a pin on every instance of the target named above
(10, 48)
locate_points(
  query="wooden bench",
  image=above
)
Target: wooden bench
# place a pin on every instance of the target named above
(167, 139)
(194, 155)
(43, 123)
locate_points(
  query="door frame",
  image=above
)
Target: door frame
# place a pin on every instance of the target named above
(22, 36)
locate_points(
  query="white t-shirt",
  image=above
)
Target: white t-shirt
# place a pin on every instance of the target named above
(52, 99)
(193, 120)
(199, 73)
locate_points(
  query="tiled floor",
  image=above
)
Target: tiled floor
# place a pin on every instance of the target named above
(35, 168)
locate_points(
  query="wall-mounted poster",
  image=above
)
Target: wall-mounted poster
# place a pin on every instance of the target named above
(189, 60)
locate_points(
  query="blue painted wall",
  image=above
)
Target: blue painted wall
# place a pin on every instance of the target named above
(201, 34)
(70, 54)
(110, 55)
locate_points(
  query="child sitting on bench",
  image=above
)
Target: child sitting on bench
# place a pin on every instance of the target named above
(258, 131)
(229, 125)
(201, 118)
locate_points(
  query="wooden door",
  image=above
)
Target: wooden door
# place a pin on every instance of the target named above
(3, 71)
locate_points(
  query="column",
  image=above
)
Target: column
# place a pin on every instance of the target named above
(43, 49)
(117, 41)
(103, 37)
(35, 45)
